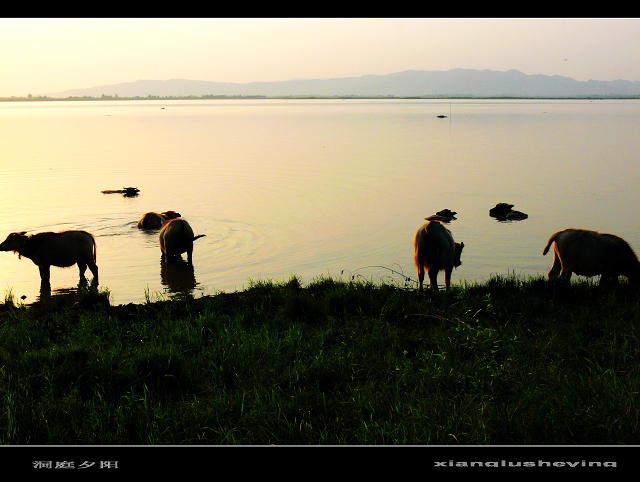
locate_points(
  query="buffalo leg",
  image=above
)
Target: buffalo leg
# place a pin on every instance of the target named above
(556, 267)
(44, 273)
(94, 271)
(82, 267)
(607, 278)
(45, 290)
(447, 278)
(566, 272)
(420, 277)
(433, 279)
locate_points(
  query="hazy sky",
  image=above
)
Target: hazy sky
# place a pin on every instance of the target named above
(40, 56)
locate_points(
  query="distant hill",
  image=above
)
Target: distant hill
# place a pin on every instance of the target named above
(410, 83)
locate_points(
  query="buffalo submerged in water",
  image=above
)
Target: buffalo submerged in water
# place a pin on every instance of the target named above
(62, 249)
(155, 220)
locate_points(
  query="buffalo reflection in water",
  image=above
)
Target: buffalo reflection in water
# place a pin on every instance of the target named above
(178, 276)
(59, 296)
(81, 295)
(510, 216)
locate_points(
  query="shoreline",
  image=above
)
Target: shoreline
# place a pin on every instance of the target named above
(506, 362)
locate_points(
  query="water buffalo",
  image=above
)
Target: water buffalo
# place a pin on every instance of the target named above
(438, 217)
(155, 220)
(435, 250)
(516, 215)
(446, 215)
(500, 209)
(176, 237)
(62, 249)
(126, 191)
(503, 212)
(589, 253)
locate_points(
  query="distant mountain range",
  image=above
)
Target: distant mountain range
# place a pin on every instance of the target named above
(410, 83)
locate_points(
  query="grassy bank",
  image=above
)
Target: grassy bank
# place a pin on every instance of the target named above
(509, 361)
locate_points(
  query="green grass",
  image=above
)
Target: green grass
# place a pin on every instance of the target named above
(508, 361)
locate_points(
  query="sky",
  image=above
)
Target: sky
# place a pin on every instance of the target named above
(47, 55)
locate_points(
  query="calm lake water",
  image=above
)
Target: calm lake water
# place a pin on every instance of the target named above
(311, 187)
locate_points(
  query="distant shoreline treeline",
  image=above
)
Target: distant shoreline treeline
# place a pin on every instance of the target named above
(43, 98)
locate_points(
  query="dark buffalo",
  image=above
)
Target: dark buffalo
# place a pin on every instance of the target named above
(500, 209)
(154, 220)
(62, 249)
(435, 250)
(437, 217)
(504, 212)
(589, 253)
(127, 191)
(516, 216)
(447, 213)
(176, 237)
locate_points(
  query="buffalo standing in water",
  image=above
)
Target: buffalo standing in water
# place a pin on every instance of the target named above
(176, 237)
(433, 250)
(62, 249)
(589, 253)
(155, 220)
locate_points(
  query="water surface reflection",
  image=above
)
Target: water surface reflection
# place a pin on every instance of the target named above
(178, 277)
